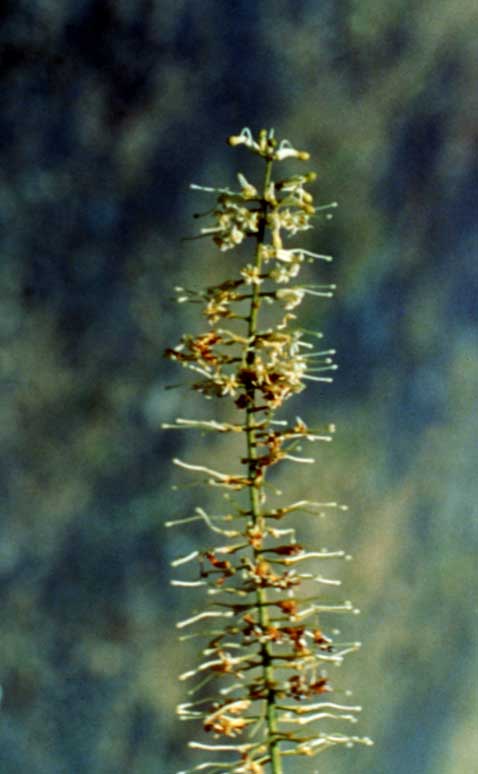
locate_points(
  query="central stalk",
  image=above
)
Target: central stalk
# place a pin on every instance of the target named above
(255, 489)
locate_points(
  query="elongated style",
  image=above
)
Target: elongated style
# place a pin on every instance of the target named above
(261, 690)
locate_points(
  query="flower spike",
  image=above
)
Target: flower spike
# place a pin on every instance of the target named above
(263, 620)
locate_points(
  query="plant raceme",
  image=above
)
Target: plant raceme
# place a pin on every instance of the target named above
(261, 689)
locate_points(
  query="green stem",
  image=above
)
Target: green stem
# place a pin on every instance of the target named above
(255, 497)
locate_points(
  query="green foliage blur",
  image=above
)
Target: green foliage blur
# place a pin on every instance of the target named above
(109, 109)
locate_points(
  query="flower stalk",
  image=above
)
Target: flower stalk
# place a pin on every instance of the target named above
(266, 653)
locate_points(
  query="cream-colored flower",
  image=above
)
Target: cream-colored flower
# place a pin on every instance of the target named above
(234, 223)
(249, 191)
(286, 151)
(244, 138)
(290, 297)
(251, 275)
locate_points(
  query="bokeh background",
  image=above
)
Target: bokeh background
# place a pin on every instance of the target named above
(109, 109)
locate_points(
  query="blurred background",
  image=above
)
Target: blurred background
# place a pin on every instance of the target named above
(109, 110)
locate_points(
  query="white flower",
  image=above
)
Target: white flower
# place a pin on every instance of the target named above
(249, 191)
(286, 151)
(291, 297)
(251, 275)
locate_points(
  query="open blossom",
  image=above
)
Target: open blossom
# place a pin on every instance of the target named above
(290, 297)
(265, 640)
(251, 275)
(234, 223)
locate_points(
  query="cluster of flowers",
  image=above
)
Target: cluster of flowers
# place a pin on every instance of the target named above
(265, 645)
